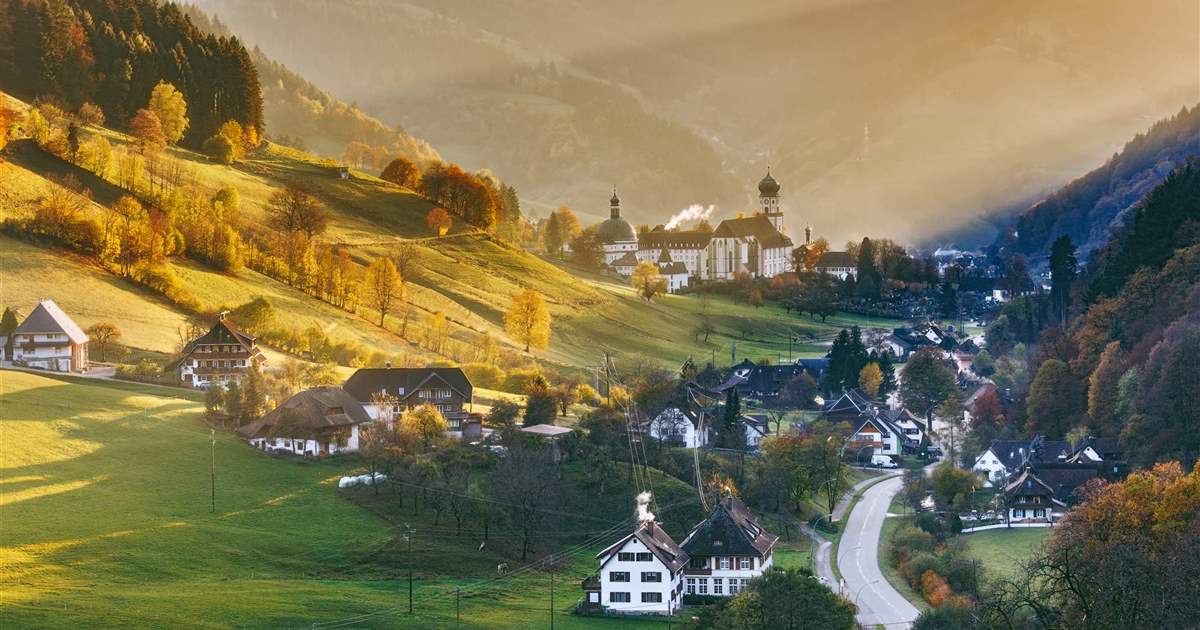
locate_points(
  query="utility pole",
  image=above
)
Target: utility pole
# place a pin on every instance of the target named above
(410, 591)
(457, 608)
(551, 592)
(212, 470)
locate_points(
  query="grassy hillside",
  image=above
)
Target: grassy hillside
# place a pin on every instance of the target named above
(1001, 551)
(107, 522)
(467, 275)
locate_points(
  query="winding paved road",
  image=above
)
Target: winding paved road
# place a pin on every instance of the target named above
(858, 559)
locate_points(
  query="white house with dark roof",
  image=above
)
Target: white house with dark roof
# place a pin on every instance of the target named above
(841, 265)
(223, 354)
(642, 573)
(675, 426)
(317, 421)
(49, 340)
(727, 550)
(446, 388)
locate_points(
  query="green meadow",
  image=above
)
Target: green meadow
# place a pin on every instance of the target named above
(107, 521)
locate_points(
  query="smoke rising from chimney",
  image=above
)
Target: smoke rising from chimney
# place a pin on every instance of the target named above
(644, 515)
(694, 212)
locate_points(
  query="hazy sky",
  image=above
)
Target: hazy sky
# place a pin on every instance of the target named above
(898, 118)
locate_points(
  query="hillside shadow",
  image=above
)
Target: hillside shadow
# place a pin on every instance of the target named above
(27, 155)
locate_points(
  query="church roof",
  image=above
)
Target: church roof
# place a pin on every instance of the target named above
(758, 227)
(628, 260)
(668, 239)
(615, 230)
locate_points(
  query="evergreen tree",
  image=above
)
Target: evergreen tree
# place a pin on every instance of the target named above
(254, 396)
(888, 367)
(1062, 275)
(8, 322)
(839, 363)
(868, 276)
(731, 434)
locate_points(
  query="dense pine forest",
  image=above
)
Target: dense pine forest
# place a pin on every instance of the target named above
(112, 54)
(1112, 352)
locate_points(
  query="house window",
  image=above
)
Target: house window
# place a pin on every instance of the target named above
(618, 576)
(704, 586)
(1039, 513)
(651, 598)
(645, 557)
(724, 563)
(745, 563)
(625, 556)
(651, 576)
(619, 597)
(691, 586)
(718, 586)
(733, 587)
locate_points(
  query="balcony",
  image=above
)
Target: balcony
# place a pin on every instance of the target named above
(218, 370)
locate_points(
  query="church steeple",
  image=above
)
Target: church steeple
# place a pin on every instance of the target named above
(768, 200)
(614, 205)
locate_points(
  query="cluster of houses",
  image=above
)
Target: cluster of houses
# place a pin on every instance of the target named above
(48, 339)
(757, 245)
(1037, 479)
(646, 572)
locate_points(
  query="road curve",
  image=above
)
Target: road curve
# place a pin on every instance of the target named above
(858, 559)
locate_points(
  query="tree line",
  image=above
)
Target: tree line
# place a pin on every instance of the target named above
(112, 54)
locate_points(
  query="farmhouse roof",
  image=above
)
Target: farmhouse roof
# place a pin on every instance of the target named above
(224, 332)
(545, 430)
(657, 541)
(730, 530)
(310, 413)
(758, 227)
(405, 382)
(836, 259)
(47, 317)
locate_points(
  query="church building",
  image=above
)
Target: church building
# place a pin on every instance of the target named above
(755, 245)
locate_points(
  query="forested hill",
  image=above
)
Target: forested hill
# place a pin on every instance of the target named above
(1086, 208)
(302, 115)
(112, 53)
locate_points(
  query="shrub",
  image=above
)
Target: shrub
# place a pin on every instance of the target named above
(935, 589)
(484, 375)
(220, 149)
(915, 566)
(908, 540)
(517, 380)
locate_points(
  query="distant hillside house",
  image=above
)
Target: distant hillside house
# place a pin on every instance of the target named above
(640, 574)
(764, 382)
(49, 340)
(727, 550)
(838, 264)
(1003, 458)
(675, 274)
(678, 427)
(446, 388)
(318, 421)
(219, 356)
(750, 245)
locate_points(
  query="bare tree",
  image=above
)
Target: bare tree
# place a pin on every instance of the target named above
(525, 483)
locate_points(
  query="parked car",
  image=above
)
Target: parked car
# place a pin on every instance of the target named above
(883, 461)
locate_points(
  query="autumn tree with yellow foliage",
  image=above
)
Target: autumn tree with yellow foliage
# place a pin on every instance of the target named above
(528, 319)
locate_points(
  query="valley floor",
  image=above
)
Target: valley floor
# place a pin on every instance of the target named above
(105, 492)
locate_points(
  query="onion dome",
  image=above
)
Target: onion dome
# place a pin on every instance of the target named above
(768, 187)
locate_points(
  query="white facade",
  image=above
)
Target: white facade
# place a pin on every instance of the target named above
(672, 425)
(990, 465)
(307, 446)
(189, 373)
(634, 580)
(870, 434)
(841, 273)
(615, 251)
(724, 576)
(49, 351)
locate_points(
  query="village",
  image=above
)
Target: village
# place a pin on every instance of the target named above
(750, 408)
